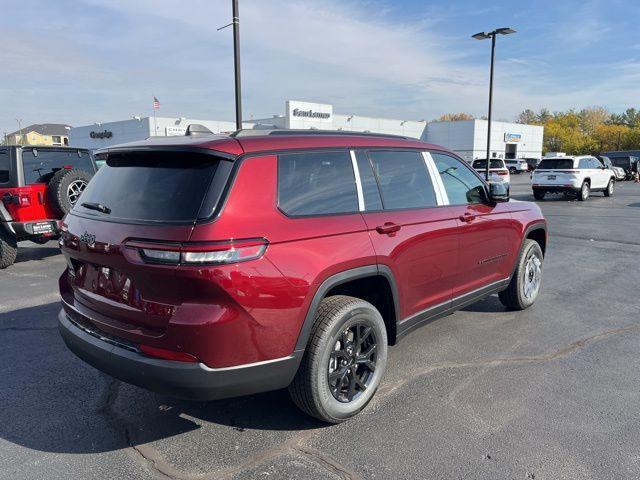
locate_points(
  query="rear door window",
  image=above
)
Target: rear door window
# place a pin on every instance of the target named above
(479, 164)
(39, 165)
(151, 186)
(403, 178)
(316, 183)
(4, 166)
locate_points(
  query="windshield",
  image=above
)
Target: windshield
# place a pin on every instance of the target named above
(40, 166)
(480, 164)
(556, 164)
(150, 186)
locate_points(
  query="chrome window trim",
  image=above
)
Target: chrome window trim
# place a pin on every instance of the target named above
(356, 172)
(441, 194)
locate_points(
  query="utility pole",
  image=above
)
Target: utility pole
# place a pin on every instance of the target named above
(19, 120)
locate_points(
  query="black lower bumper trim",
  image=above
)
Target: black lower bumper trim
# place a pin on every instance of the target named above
(556, 189)
(193, 381)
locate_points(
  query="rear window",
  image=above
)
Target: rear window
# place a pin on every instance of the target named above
(556, 164)
(316, 183)
(151, 186)
(4, 166)
(39, 165)
(483, 164)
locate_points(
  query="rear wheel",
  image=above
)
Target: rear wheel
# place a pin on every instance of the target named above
(527, 279)
(538, 194)
(583, 194)
(344, 361)
(8, 248)
(609, 190)
(512, 171)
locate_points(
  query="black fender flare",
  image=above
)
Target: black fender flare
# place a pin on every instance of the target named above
(338, 279)
(531, 228)
(6, 219)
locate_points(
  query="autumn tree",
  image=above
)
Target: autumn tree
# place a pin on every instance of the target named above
(454, 117)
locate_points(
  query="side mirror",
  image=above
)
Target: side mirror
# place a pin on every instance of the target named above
(498, 192)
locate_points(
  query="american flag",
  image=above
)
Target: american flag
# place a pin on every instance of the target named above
(156, 103)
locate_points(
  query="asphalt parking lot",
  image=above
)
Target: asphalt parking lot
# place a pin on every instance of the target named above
(551, 392)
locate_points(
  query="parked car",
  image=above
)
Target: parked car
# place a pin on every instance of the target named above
(628, 163)
(532, 163)
(210, 267)
(620, 174)
(579, 175)
(38, 186)
(498, 171)
(516, 165)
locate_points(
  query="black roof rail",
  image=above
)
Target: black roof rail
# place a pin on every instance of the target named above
(292, 132)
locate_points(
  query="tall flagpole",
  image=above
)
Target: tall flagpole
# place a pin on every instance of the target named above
(153, 107)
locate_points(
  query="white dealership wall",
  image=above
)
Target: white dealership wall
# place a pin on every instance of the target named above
(468, 138)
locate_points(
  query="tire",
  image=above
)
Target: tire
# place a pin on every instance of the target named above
(512, 171)
(8, 248)
(609, 190)
(539, 194)
(337, 320)
(523, 288)
(583, 194)
(64, 189)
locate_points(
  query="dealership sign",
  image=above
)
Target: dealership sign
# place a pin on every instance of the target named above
(512, 137)
(310, 113)
(103, 134)
(175, 131)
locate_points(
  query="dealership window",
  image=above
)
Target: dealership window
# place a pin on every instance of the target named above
(370, 192)
(316, 183)
(403, 179)
(56, 139)
(4, 166)
(462, 185)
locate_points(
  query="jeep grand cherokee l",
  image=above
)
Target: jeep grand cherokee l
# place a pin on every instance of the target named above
(210, 267)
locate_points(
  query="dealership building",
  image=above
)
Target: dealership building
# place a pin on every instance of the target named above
(467, 138)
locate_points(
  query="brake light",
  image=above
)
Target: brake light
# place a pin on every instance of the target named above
(215, 253)
(167, 354)
(502, 173)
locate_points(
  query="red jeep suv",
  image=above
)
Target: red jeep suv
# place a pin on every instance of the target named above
(38, 186)
(207, 266)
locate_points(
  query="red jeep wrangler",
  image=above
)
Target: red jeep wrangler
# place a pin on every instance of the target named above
(38, 186)
(209, 267)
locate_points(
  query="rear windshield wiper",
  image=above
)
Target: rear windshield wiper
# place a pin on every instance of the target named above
(97, 206)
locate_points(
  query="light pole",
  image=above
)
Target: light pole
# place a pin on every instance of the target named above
(236, 60)
(492, 36)
(19, 120)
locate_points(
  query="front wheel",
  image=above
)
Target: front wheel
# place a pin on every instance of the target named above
(527, 279)
(609, 191)
(344, 361)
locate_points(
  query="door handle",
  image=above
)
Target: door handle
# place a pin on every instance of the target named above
(388, 228)
(466, 217)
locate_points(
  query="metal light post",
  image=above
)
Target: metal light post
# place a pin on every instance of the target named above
(19, 120)
(236, 60)
(492, 36)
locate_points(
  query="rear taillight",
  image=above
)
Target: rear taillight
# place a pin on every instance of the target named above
(502, 173)
(215, 253)
(167, 354)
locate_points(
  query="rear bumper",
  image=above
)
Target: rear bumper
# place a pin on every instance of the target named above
(555, 188)
(193, 381)
(41, 227)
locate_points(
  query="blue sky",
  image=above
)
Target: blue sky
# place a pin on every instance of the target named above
(88, 61)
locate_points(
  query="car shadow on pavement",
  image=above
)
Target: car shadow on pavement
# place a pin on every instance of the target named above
(489, 304)
(28, 253)
(52, 401)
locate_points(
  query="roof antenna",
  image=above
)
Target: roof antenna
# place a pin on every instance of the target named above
(197, 130)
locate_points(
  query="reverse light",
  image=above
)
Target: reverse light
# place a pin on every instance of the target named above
(160, 256)
(217, 254)
(167, 354)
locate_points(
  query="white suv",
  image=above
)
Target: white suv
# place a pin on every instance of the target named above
(580, 175)
(516, 165)
(498, 172)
